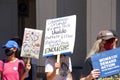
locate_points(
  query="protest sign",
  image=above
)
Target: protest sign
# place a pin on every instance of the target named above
(31, 43)
(59, 36)
(108, 62)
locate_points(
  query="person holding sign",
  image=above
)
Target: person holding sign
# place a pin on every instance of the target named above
(65, 68)
(12, 68)
(106, 40)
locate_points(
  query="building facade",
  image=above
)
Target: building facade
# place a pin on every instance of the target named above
(92, 16)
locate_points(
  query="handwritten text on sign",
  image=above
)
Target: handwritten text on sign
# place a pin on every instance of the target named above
(59, 35)
(31, 43)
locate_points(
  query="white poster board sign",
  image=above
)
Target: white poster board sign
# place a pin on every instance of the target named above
(59, 36)
(31, 43)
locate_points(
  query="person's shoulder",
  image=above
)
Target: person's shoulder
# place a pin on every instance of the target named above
(20, 61)
(88, 60)
(2, 60)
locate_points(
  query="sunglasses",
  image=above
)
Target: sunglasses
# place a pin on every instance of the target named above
(110, 40)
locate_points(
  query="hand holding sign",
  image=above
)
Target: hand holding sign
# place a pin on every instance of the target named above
(59, 39)
(94, 74)
(108, 62)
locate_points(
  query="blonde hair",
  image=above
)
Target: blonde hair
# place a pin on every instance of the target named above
(95, 49)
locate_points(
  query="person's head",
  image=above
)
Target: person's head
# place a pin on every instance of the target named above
(11, 47)
(106, 40)
(109, 40)
(19, 42)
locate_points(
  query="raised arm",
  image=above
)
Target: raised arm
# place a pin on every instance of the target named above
(23, 73)
(51, 75)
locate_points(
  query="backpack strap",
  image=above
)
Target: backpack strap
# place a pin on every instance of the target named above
(20, 64)
(3, 63)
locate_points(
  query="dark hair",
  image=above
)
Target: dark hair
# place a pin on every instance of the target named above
(115, 33)
(19, 42)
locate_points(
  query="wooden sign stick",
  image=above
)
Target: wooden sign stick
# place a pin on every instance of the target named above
(58, 60)
(28, 61)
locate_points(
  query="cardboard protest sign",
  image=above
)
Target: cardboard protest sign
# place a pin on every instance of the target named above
(31, 43)
(108, 62)
(59, 36)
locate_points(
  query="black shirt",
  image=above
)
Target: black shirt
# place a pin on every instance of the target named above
(87, 68)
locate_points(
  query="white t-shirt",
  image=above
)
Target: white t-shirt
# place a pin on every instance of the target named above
(65, 69)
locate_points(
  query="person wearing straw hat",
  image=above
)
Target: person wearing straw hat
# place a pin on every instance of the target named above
(12, 68)
(106, 40)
